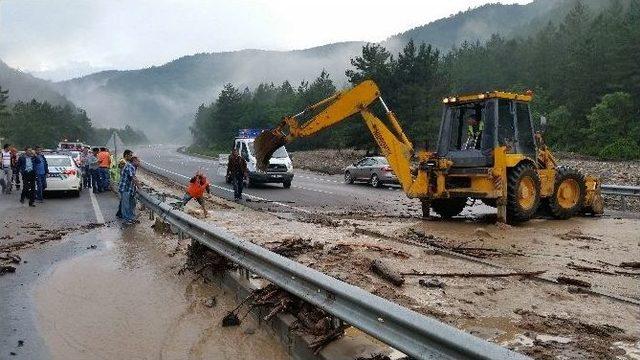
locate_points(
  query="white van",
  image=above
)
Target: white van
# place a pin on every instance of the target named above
(280, 169)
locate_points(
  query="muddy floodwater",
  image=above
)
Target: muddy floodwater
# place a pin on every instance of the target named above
(126, 300)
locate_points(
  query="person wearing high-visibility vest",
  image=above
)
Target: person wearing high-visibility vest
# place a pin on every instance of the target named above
(195, 190)
(474, 133)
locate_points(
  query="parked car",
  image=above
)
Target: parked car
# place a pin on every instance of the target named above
(64, 175)
(374, 170)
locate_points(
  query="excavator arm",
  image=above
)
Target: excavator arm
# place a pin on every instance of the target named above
(393, 142)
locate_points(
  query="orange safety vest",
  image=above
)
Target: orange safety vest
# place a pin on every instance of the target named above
(103, 159)
(197, 188)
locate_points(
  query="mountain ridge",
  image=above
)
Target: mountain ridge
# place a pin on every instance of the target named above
(163, 99)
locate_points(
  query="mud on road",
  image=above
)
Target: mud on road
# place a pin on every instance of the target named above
(539, 318)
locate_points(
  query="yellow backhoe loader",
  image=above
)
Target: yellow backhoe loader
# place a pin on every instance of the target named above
(487, 150)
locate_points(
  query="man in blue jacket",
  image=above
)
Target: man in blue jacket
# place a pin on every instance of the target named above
(26, 165)
(42, 170)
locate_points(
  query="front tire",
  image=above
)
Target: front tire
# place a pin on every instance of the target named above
(448, 208)
(348, 179)
(523, 193)
(568, 194)
(286, 184)
(75, 193)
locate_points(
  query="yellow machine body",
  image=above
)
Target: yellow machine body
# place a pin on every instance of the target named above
(427, 176)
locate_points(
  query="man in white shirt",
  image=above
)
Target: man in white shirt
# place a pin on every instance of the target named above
(7, 171)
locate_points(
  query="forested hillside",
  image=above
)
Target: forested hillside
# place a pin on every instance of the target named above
(161, 99)
(25, 87)
(41, 123)
(481, 23)
(584, 72)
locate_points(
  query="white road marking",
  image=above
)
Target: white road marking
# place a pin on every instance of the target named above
(96, 208)
(316, 190)
(231, 190)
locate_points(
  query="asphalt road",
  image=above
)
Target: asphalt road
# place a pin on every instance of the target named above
(82, 291)
(310, 192)
(20, 223)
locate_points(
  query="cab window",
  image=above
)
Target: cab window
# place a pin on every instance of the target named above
(506, 129)
(525, 131)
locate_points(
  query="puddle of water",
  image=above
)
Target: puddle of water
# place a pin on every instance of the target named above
(498, 329)
(127, 302)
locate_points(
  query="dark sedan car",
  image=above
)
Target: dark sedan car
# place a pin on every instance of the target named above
(374, 170)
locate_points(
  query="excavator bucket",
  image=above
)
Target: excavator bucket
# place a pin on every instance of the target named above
(266, 144)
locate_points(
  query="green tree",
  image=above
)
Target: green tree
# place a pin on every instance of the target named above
(615, 118)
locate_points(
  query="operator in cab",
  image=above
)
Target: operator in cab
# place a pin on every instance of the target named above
(474, 132)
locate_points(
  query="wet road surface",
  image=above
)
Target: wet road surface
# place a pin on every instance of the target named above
(109, 292)
(310, 192)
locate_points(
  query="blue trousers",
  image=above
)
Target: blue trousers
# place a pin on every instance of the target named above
(86, 177)
(127, 205)
(95, 180)
(104, 179)
(41, 184)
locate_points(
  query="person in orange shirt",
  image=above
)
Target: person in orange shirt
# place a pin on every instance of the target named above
(104, 163)
(195, 190)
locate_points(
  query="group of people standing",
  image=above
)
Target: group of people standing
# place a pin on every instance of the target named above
(97, 164)
(95, 167)
(31, 166)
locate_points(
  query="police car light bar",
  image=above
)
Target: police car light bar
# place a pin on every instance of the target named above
(249, 133)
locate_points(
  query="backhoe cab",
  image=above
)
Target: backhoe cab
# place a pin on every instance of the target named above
(487, 150)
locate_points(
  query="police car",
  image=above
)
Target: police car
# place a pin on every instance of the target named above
(64, 175)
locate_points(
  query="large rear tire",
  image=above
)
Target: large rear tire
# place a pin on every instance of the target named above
(568, 194)
(523, 193)
(375, 181)
(448, 208)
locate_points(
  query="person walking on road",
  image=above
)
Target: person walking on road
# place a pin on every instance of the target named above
(26, 164)
(104, 162)
(195, 190)
(7, 169)
(238, 171)
(42, 170)
(127, 190)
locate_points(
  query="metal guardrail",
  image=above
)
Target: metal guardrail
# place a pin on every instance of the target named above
(622, 191)
(412, 333)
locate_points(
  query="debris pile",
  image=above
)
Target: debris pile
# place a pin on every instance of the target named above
(292, 247)
(319, 327)
(577, 234)
(8, 262)
(201, 259)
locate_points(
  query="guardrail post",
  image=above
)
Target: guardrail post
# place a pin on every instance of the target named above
(624, 202)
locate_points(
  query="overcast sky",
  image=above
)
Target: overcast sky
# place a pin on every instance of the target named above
(59, 39)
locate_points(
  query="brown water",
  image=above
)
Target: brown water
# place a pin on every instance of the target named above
(127, 301)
